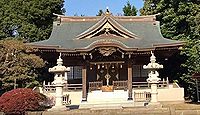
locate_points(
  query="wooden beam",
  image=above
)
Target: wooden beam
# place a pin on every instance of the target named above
(84, 92)
(108, 62)
(129, 81)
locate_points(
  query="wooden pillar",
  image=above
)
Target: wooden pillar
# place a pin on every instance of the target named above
(84, 92)
(130, 81)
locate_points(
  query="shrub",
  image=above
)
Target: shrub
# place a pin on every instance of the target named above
(19, 100)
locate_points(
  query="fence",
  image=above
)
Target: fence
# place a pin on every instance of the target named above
(72, 87)
(120, 85)
(49, 87)
(66, 100)
(163, 83)
(95, 85)
(142, 96)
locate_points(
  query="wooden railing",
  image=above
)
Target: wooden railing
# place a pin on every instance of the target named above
(120, 85)
(95, 85)
(140, 85)
(117, 85)
(142, 96)
(164, 83)
(72, 87)
(49, 87)
(66, 100)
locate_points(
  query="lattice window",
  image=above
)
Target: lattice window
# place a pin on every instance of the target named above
(138, 71)
(75, 72)
(144, 72)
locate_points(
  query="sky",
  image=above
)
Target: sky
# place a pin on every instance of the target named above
(91, 7)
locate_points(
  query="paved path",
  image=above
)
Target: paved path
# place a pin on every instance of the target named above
(168, 108)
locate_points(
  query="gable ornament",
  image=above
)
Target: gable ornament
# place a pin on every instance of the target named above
(107, 51)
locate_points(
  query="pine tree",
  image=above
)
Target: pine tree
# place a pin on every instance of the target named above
(129, 10)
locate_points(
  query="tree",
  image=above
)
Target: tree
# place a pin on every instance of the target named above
(31, 20)
(18, 64)
(18, 101)
(129, 10)
(180, 20)
(149, 7)
(100, 13)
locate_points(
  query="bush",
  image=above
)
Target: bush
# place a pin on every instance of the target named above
(19, 100)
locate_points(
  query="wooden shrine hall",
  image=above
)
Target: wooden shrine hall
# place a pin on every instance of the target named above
(106, 52)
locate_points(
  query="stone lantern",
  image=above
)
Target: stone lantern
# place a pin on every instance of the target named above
(153, 77)
(58, 82)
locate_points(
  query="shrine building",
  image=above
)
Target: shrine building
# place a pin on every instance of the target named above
(107, 53)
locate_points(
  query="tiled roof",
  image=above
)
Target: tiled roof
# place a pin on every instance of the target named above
(67, 30)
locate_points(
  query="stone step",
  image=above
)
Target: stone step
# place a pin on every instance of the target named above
(107, 101)
(107, 96)
(114, 105)
(102, 100)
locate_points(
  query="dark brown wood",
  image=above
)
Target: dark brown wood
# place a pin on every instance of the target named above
(120, 85)
(129, 81)
(84, 91)
(96, 85)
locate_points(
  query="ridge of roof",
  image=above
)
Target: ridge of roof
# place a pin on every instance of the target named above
(147, 18)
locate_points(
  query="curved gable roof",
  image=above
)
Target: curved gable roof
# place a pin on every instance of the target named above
(70, 32)
(108, 23)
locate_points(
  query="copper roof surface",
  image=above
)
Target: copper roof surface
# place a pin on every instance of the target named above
(128, 33)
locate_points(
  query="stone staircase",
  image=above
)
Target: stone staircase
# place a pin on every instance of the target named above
(108, 100)
(107, 97)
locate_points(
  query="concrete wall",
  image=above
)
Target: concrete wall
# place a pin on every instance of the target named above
(75, 96)
(171, 93)
(164, 94)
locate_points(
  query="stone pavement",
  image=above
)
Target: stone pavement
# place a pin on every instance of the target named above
(126, 111)
(168, 108)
